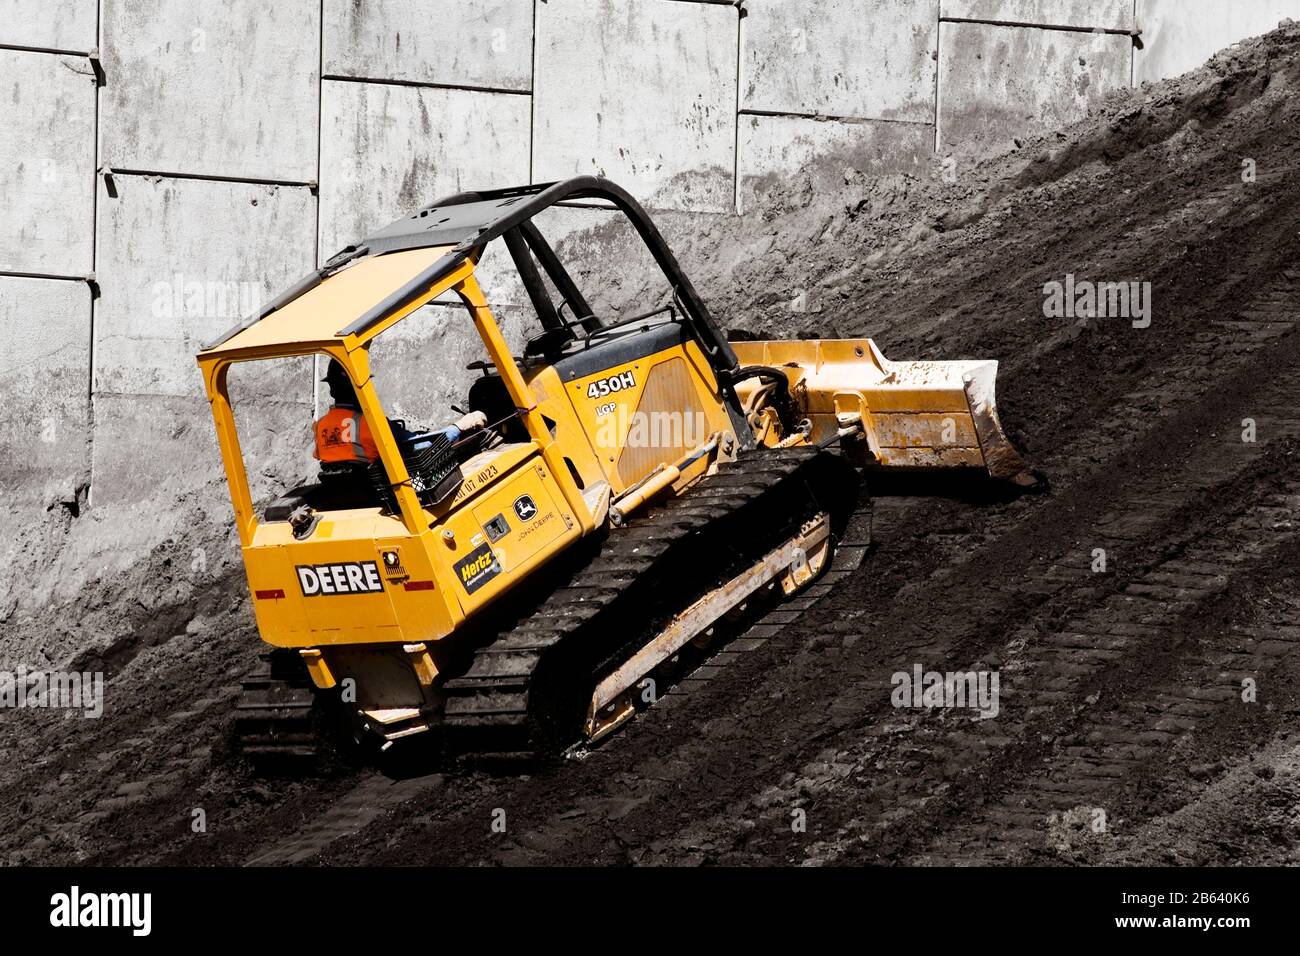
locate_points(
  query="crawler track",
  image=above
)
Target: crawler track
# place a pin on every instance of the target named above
(523, 692)
(278, 715)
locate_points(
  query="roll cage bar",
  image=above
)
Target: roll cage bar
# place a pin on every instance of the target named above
(471, 220)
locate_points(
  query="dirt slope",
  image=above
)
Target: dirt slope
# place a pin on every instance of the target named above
(1122, 692)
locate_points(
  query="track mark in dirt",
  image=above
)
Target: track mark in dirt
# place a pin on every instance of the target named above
(1138, 752)
(373, 796)
(912, 778)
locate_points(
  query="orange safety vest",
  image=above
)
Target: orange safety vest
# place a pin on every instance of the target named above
(343, 435)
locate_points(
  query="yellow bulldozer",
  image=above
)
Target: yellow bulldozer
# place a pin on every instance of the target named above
(610, 500)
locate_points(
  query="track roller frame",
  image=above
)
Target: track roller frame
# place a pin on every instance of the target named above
(794, 564)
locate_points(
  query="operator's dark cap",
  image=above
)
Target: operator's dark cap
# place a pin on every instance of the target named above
(335, 375)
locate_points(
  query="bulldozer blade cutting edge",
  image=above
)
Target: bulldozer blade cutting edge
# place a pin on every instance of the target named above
(1000, 456)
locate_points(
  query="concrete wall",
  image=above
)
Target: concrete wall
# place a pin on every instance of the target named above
(1179, 35)
(44, 432)
(166, 164)
(47, 171)
(987, 98)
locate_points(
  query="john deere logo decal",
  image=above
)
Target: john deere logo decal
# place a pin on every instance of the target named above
(477, 568)
(525, 508)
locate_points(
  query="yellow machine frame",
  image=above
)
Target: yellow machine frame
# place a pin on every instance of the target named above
(427, 601)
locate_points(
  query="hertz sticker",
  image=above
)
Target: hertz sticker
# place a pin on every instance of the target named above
(477, 568)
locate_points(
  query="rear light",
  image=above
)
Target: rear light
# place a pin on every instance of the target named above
(418, 585)
(272, 595)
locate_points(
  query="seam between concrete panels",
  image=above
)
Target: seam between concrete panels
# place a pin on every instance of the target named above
(94, 174)
(1023, 24)
(53, 276)
(17, 48)
(320, 124)
(313, 387)
(830, 118)
(1133, 54)
(938, 72)
(532, 103)
(209, 177)
(735, 149)
(424, 84)
(94, 259)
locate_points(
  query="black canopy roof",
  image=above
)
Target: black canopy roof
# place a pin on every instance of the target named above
(470, 220)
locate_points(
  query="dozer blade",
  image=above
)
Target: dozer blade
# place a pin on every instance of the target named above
(919, 416)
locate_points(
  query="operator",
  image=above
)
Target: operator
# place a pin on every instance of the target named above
(342, 434)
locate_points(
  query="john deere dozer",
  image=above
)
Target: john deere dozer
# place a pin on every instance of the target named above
(507, 585)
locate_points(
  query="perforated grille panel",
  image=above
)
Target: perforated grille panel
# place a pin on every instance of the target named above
(668, 422)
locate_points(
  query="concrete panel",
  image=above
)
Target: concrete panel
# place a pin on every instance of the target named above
(987, 96)
(180, 261)
(1180, 35)
(44, 377)
(775, 148)
(481, 43)
(388, 150)
(641, 91)
(50, 24)
(608, 259)
(151, 447)
(220, 89)
(275, 431)
(1088, 14)
(419, 365)
(47, 163)
(869, 59)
